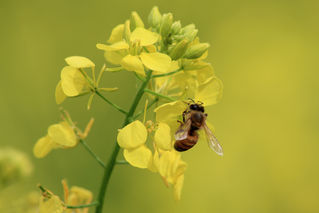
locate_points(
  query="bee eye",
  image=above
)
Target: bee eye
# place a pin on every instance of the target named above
(193, 107)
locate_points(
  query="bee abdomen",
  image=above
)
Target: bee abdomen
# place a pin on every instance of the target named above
(186, 144)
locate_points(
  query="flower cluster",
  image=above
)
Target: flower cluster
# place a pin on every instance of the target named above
(175, 56)
(168, 60)
(14, 165)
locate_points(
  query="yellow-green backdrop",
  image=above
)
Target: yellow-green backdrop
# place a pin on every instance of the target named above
(266, 53)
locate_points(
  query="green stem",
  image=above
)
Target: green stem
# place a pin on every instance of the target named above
(112, 160)
(159, 95)
(114, 69)
(95, 203)
(88, 148)
(121, 162)
(112, 104)
(167, 74)
(139, 77)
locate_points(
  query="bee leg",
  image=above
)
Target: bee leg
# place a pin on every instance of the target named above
(206, 114)
(184, 113)
(181, 123)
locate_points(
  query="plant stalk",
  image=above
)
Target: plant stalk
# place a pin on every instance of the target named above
(112, 160)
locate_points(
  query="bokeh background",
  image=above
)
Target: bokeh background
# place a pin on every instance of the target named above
(266, 53)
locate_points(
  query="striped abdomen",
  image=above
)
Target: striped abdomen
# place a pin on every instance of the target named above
(186, 144)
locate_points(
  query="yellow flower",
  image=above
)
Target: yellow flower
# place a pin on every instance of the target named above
(59, 135)
(132, 139)
(72, 82)
(170, 112)
(210, 92)
(130, 53)
(171, 168)
(50, 203)
(62, 135)
(185, 83)
(76, 196)
(162, 137)
(165, 160)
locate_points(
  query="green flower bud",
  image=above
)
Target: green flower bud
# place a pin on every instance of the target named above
(167, 21)
(179, 49)
(191, 35)
(188, 28)
(127, 31)
(155, 17)
(136, 20)
(196, 50)
(176, 27)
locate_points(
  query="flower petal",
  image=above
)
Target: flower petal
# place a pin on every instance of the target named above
(162, 137)
(79, 62)
(117, 34)
(133, 63)
(132, 135)
(51, 204)
(140, 157)
(178, 187)
(72, 81)
(145, 37)
(169, 113)
(115, 57)
(121, 45)
(43, 146)
(59, 94)
(79, 196)
(62, 134)
(210, 92)
(159, 62)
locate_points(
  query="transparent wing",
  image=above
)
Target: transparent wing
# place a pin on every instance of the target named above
(212, 141)
(182, 131)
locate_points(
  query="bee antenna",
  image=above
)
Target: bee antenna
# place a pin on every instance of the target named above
(185, 102)
(191, 100)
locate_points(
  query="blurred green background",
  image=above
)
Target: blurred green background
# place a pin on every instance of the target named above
(266, 53)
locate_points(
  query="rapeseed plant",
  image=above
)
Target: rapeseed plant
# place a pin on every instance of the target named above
(169, 61)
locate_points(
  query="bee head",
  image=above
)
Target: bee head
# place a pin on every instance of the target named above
(197, 107)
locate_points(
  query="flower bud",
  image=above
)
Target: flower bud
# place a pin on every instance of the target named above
(189, 32)
(136, 20)
(176, 27)
(155, 17)
(166, 24)
(191, 35)
(188, 28)
(179, 49)
(196, 50)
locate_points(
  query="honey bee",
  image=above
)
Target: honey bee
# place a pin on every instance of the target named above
(194, 119)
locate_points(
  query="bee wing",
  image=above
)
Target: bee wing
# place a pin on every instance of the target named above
(182, 131)
(212, 141)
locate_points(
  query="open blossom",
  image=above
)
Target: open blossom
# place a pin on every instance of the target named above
(59, 135)
(75, 196)
(72, 81)
(62, 135)
(135, 50)
(163, 160)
